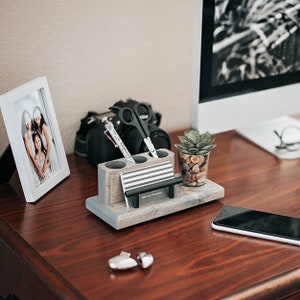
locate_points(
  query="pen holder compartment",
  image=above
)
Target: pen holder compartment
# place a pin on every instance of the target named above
(109, 173)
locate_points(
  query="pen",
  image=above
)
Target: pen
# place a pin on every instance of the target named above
(116, 140)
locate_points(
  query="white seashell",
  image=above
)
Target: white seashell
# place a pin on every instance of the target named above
(145, 259)
(122, 262)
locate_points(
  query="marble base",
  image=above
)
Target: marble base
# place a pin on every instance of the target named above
(119, 216)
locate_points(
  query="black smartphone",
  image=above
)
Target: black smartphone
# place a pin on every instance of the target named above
(258, 224)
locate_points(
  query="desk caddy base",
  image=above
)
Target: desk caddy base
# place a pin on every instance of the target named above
(109, 205)
(119, 216)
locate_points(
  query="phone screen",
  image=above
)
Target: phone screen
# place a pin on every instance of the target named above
(258, 224)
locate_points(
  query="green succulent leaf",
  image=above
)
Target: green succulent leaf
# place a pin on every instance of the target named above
(181, 139)
(180, 147)
(193, 150)
(195, 143)
(188, 143)
(208, 147)
(185, 151)
(202, 152)
(192, 135)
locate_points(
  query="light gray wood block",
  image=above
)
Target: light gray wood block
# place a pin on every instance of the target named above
(119, 216)
(109, 180)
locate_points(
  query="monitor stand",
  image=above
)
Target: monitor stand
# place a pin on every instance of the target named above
(263, 135)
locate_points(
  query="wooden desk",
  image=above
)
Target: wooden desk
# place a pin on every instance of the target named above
(56, 248)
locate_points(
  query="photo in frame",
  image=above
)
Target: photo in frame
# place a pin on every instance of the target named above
(34, 137)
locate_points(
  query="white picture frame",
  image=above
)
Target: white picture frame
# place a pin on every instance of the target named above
(39, 166)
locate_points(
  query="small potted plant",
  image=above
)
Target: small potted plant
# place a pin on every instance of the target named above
(193, 156)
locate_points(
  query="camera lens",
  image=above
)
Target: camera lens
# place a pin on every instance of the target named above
(135, 143)
(160, 139)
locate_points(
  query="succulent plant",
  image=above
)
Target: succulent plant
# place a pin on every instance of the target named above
(194, 143)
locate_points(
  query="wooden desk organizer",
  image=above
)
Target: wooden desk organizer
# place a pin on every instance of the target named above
(110, 205)
(109, 179)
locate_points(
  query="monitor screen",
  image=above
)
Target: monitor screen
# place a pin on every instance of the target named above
(246, 66)
(249, 45)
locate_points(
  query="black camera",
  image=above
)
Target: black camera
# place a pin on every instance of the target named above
(92, 141)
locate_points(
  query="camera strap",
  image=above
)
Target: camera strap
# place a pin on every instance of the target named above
(85, 124)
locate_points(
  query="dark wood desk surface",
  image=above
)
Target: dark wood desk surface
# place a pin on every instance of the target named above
(57, 248)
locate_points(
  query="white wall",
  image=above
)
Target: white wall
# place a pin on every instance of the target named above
(96, 52)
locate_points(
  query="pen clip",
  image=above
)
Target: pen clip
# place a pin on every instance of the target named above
(116, 140)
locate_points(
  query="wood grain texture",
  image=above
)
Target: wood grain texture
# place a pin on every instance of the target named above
(190, 259)
(38, 279)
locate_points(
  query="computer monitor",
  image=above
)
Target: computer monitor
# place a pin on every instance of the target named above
(247, 69)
